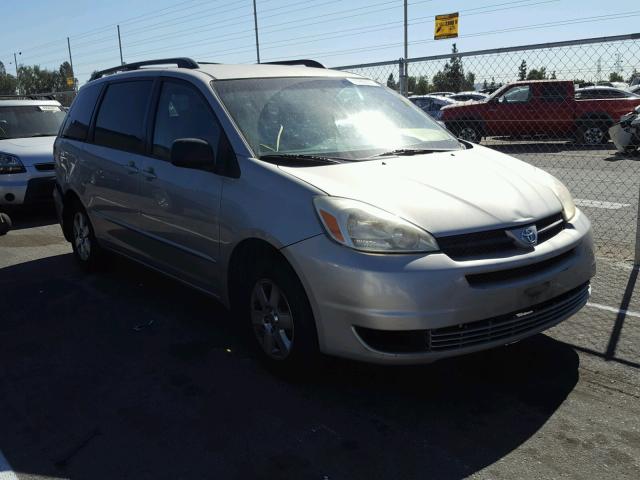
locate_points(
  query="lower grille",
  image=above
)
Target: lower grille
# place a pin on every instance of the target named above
(39, 190)
(504, 327)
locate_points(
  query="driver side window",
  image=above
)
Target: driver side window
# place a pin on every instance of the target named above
(519, 94)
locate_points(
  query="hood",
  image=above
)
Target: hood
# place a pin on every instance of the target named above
(466, 103)
(30, 150)
(444, 193)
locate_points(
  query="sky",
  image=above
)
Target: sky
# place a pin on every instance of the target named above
(335, 32)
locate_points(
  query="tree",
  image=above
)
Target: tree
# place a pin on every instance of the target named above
(33, 79)
(452, 78)
(540, 74)
(66, 73)
(553, 75)
(615, 77)
(522, 70)
(3, 70)
(485, 85)
(422, 85)
(635, 75)
(7, 84)
(391, 82)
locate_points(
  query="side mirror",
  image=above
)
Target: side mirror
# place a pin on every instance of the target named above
(502, 99)
(192, 153)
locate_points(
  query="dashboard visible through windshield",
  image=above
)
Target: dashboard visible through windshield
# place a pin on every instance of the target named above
(344, 118)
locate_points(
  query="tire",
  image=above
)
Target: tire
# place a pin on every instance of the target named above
(88, 254)
(468, 131)
(279, 318)
(593, 132)
(5, 223)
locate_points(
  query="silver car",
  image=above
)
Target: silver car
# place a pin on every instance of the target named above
(329, 212)
(28, 129)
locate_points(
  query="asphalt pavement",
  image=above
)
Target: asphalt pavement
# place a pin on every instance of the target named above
(128, 374)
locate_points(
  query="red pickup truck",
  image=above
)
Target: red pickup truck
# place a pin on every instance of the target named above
(537, 107)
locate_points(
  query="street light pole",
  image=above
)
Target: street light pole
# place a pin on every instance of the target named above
(15, 61)
(255, 23)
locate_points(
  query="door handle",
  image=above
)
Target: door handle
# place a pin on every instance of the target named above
(131, 168)
(149, 173)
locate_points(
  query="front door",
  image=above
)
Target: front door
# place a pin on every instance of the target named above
(511, 112)
(180, 206)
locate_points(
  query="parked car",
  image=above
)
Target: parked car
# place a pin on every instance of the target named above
(589, 93)
(431, 104)
(442, 94)
(466, 96)
(537, 107)
(27, 131)
(324, 208)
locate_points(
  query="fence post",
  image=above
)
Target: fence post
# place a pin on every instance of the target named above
(636, 260)
(402, 76)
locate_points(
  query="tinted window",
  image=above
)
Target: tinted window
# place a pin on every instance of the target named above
(182, 113)
(120, 120)
(30, 121)
(552, 92)
(77, 124)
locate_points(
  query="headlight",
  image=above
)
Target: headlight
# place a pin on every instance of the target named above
(563, 194)
(363, 227)
(10, 164)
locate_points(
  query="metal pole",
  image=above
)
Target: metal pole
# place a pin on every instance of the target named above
(73, 76)
(15, 61)
(637, 257)
(120, 46)
(255, 23)
(406, 50)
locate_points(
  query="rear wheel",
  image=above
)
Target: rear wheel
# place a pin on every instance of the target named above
(279, 316)
(86, 250)
(593, 133)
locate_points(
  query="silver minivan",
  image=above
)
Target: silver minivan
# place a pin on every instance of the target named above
(332, 214)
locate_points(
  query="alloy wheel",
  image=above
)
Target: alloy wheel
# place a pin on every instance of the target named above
(469, 134)
(271, 319)
(593, 135)
(81, 237)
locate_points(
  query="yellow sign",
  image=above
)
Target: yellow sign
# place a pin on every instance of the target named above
(446, 26)
(69, 82)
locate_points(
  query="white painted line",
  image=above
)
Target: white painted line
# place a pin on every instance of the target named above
(628, 313)
(583, 202)
(5, 469)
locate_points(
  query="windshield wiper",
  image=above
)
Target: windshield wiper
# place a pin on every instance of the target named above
(412, 151)
(300, 158)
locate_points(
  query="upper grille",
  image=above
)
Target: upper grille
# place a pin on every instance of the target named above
(496, 242)
(45, 167)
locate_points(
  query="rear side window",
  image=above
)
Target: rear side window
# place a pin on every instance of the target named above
(552, 92)
(76, 126)
(120, 120)
(182, 113)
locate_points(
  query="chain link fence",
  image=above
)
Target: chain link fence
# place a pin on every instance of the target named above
(560, 125)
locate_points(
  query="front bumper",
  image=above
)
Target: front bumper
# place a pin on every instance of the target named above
(352, 292)
(28, 188)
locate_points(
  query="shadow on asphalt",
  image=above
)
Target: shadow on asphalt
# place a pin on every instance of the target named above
(30, 217)
(126, 374)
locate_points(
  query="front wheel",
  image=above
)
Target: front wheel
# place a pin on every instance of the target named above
(468, 132)
(280, 317)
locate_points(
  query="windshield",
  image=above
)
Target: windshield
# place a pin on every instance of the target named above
(352, 119)
(30, 121)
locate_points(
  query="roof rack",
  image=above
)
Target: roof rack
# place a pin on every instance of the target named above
(181, 62)
(305, 62)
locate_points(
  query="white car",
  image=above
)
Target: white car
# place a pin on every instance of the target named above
(27, 131)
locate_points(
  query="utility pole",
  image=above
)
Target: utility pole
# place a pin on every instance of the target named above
(15, 61)
(255, 23)
(405, 90)
(73, 75)
(120, 46)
